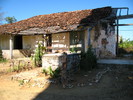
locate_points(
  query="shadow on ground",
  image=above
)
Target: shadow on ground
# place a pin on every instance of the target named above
(114, 85)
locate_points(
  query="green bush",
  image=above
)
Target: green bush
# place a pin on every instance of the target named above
(88, 60)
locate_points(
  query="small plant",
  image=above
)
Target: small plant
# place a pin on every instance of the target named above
(74, 50)
(52, 73)
(44, 71)
(21, 82)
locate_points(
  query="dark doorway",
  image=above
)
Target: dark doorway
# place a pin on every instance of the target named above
(49, 42)
(18, 42)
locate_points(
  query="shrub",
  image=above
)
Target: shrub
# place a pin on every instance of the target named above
(88, 60)
(38, 55)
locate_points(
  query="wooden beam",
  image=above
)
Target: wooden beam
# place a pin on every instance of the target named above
(117, 37)
(125, 16)
(123, 25)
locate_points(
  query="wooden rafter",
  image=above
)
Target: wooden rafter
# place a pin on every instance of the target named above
(124, 24)
(125, 16)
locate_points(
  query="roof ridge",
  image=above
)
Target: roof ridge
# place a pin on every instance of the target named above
(61, 19)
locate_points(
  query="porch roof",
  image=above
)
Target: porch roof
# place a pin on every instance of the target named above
(56, 22)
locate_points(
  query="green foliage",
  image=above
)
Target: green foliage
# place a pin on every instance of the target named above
(52, 73)
(125, 46)
(88, 60)
(38, 55)
(21, 82)
(10, 19)
(74, 50)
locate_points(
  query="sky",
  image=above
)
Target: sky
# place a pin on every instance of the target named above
(23, 9)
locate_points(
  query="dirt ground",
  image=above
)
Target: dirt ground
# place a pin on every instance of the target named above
(115, 84)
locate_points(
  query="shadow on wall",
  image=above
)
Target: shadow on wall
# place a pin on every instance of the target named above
(26, 53)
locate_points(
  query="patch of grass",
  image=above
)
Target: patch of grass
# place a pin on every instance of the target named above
(20, 66)
(15, 69)
(3, 60)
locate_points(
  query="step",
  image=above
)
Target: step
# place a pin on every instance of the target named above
(115, 61)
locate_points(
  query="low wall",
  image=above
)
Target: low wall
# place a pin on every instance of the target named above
(56, 60)
(16, 53)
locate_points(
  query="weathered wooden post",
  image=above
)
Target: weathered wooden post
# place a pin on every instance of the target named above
(11, 46)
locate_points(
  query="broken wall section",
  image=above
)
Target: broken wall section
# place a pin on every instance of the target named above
(103, 40)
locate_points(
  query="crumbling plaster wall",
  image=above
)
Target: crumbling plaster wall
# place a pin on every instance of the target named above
(103, 41)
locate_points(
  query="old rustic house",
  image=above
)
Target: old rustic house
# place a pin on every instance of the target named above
(60, 32)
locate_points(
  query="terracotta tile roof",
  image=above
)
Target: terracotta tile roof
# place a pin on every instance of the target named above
(63, 20)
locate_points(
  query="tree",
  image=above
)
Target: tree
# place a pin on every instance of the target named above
(1, 17)
(10, 19)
